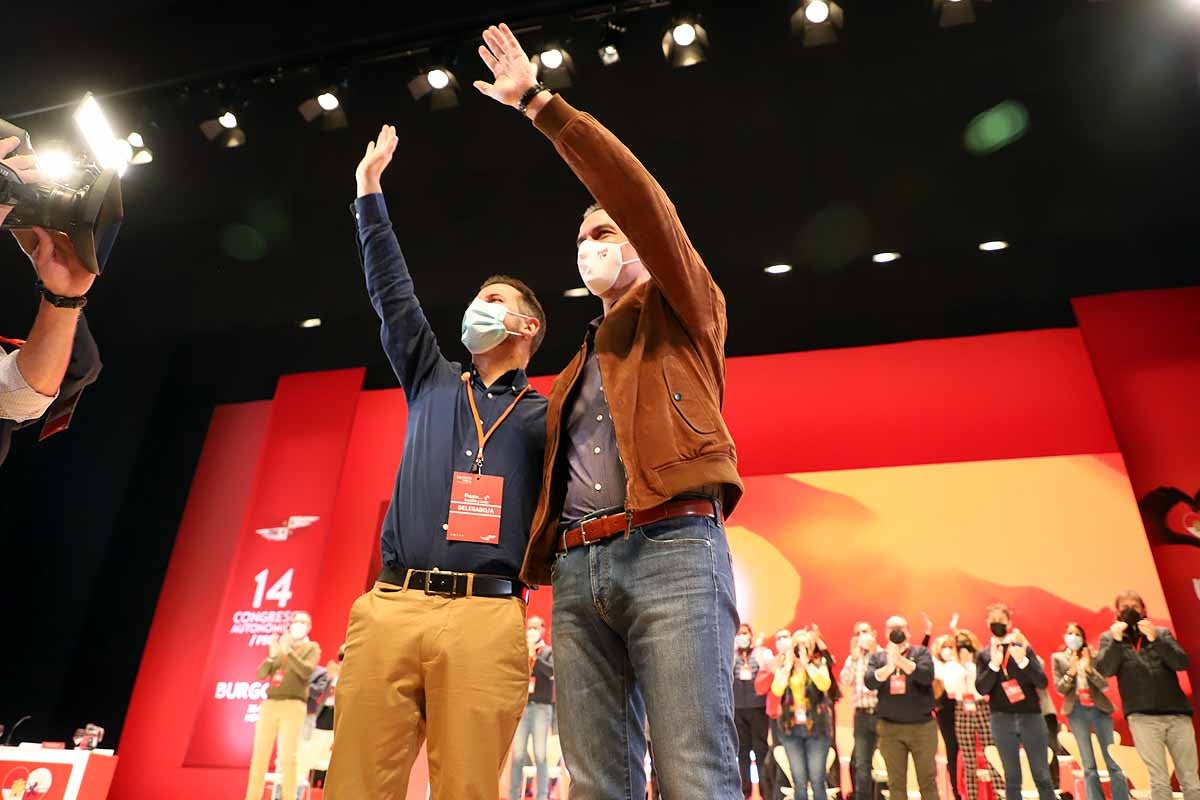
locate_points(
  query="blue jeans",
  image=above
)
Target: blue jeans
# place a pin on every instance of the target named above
(643, 628)
(806, 756)
(1083, 719)
(1010, 732)
(535, 722)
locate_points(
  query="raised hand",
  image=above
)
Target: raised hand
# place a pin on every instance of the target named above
(1148, 630)
(1118, 630)
(1018, 653)
(375, 161)
(56, 262)
(512, 71)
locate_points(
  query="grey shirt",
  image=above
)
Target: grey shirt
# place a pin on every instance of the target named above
(595, 475)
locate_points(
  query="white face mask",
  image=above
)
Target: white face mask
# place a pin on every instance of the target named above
(533, 635)
(741, 642)
(600, 264)
(483, 326)
(865, 640)
(298, 630)
(947, 654)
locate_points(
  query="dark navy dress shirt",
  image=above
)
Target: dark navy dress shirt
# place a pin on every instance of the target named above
(440, 438)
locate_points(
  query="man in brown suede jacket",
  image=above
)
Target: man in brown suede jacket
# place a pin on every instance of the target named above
(640, 471)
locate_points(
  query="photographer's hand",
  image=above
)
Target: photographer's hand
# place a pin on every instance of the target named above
(44, 358)
(57, 264)
(25, 166)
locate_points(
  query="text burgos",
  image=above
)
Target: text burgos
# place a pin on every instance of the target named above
(242, 690)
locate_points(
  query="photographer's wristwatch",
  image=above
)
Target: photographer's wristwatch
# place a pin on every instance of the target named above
(58, 301)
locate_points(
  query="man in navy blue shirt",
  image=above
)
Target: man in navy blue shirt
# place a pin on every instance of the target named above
(437, 649)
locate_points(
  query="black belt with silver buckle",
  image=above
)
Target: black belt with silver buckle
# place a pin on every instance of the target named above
(453, 584)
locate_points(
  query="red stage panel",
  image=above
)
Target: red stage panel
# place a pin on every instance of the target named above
(1146, 350)
(276, 565)
(167, 692)
(930, 402)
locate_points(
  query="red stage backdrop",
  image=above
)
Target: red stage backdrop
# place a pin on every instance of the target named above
(996, 399)
(276, 564)
(1146, 350)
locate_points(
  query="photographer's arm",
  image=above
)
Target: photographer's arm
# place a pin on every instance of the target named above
(43, 360)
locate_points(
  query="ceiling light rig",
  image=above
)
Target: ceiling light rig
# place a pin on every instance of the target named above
(325, 108)
(224, 129)
(610, 43)
(555, 66)
(951, 13)
(685, 42)
(437, 83)
(817, 22)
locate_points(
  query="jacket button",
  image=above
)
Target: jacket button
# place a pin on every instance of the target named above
(678, 397)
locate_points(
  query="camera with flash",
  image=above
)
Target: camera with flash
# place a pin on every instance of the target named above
(84, 202)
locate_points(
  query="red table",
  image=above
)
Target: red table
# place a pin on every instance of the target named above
(35, 772)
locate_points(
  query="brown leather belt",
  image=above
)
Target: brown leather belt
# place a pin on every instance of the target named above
(597, 530)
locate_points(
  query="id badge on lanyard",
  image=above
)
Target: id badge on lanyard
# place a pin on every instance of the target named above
(277, 678)
(898, 685)
(969, 704)
(477, 500)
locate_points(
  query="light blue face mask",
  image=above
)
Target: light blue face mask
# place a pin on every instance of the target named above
(483, 326)
(1074, 641)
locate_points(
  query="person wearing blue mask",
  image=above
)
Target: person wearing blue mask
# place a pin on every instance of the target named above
(1087, 708)
(435, 652)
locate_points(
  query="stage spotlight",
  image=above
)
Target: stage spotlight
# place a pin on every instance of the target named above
(581, 291)
(954, 12)
(885, 258)
(143, 156)
(555, 67)
(685, 42)
(224, 130)
(610, 43)
(778, 269)
(326, 107)
(438, 84)
(993, 246)
(817, 22)
(136, 139)
(313, 322)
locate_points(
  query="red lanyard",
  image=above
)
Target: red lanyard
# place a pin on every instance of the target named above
(483, 437)
(13, 342)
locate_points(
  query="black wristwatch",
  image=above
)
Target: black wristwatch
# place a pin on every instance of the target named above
(530, 93)
(58, 301)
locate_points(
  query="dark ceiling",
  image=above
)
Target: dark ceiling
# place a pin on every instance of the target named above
(772, 153)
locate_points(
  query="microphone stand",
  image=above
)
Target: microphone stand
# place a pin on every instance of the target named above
(8, 741)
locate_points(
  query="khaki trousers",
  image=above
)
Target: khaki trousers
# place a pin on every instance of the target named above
(454, 671)
(279, 721)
